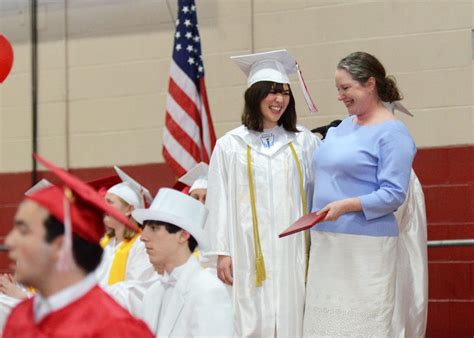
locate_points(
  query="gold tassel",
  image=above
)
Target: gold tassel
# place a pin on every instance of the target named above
(261, 274)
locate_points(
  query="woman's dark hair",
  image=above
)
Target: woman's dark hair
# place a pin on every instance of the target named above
(87, 255)
(172, 229)
(361, 66)
(252, 116)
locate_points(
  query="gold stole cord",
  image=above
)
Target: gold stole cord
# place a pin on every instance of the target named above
(119, 265)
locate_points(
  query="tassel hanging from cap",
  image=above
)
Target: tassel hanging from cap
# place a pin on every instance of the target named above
(307, 97)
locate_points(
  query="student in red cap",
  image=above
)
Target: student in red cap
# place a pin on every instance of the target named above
(11, 292)
(55, 243)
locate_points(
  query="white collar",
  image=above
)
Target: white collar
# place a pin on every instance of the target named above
(44, 306)
(252, 138)
(170, 280)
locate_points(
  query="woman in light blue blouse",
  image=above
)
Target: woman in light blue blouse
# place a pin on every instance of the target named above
(362, 172)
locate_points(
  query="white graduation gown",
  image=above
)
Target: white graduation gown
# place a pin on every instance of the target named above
(138, 263)
(411, 301)
(198, 305)
(276, 308)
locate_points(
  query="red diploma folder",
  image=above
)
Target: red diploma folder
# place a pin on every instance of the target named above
(303, 223)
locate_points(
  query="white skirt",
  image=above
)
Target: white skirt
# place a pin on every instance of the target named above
(351, 285)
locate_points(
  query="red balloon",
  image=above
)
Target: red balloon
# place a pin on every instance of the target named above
(6, 58)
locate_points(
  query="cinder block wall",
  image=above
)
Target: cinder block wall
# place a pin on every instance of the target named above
(103, 74)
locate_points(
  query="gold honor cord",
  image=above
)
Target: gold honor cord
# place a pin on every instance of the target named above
(307, 237)
(259, 260)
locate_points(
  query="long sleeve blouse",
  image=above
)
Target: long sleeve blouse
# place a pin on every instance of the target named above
(371, 162)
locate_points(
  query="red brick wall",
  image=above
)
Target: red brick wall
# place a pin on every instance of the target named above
(12, 187)
(447, 176)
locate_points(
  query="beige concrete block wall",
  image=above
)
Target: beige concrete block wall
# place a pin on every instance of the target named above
(103, 69)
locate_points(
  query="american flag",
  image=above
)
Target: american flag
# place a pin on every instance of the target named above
(188, 136)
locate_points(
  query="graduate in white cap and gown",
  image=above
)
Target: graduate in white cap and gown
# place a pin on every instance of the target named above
(124, 256)
(259, 182)
(187, 301)
(196, 180)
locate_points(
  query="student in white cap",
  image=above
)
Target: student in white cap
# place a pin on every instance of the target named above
(258, 183)
(186, 301)
(124, 255)
(196, 180)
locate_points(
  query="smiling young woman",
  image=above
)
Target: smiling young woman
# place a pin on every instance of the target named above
(259, 177)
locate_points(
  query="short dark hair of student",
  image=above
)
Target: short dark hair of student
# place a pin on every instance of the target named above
(172, 229)
(361, 66)
(252, 116)
(87, 255)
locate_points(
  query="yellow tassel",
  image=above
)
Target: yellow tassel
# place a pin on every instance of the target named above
(261, 274)
(105, 241)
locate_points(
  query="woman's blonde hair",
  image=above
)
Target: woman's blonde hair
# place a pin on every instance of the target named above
(127, 233)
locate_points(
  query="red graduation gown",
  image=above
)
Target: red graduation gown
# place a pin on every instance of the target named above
(95, 314)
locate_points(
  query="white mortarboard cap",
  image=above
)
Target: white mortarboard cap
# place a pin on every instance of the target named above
(196, 178)
(397, 105)
(275, 66)
(126, 192)
(272, 66)
(44, 183)
(130, 190)
(174, 207)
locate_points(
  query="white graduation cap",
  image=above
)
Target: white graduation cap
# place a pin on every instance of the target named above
(196, 178)
(174, 207)
(397, 105)
(130, 190)
(272, 66)
(44, 183)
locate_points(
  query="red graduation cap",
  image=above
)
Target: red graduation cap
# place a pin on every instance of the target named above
(87, 207)
(101, 185)
(6, 58)
(304, 223)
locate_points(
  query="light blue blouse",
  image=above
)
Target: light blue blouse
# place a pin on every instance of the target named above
(371, 162)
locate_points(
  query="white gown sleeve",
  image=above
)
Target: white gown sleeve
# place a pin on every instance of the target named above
(411, 299)
(213, 314)
(217, 226)
(130, 294)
